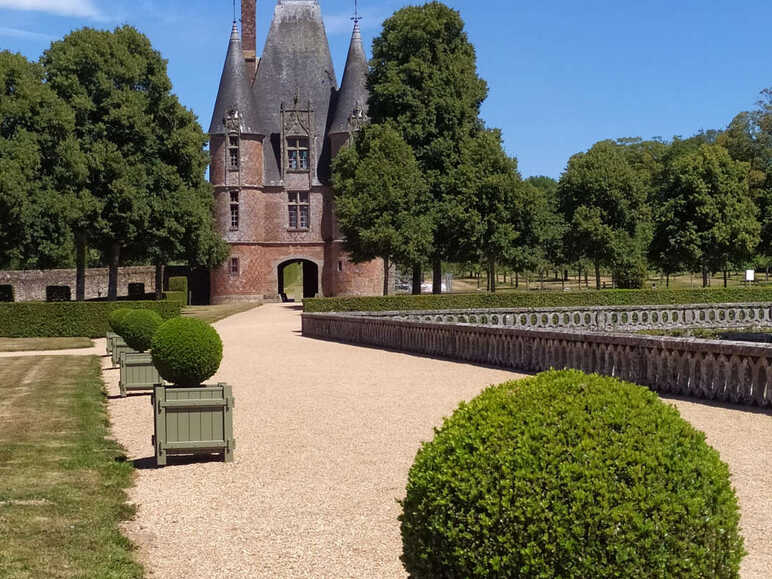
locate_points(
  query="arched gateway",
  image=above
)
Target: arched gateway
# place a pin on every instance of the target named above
(309, 277)
(277, 123)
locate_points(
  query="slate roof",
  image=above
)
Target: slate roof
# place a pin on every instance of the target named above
(296, 61)
(353, 89)
(234, 91)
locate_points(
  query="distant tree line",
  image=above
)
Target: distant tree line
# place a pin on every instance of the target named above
(426, 182)
(99, 161)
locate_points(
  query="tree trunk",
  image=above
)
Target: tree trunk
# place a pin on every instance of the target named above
(436, 276)
(492, 274)
(725, 278)
(704, 276)
(517, 280)
(80, 267)
(597, 275)
(112, 279)
(541, 279)
(385, 276)
(418, 278)
(667, 281)
(159, 281)
(579, 277)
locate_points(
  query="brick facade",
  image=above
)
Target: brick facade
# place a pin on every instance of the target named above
(253, 196)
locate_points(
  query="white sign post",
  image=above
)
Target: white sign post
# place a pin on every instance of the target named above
(750, 276)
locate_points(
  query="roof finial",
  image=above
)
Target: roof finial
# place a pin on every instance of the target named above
(234, 11)
(356, 17)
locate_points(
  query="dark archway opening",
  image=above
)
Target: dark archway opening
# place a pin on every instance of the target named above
(298, 278)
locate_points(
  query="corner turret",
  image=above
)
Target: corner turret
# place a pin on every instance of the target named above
(235, 106)
(351, 105)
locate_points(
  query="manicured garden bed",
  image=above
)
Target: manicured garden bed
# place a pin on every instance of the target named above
(61, 495)
(40, 344)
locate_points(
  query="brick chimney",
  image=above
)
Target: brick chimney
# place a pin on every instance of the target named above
(249, 35)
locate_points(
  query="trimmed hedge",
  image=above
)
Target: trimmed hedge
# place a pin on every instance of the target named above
(116, 320)
(569, 475)
(137, 291)
(179, 297)
(538, 300)
(6, 293)
(58, 293)
(139, 326)
(186, 351)
(179, 284)
(69, 319)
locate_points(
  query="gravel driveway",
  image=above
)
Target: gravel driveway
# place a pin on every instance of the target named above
(325, 435)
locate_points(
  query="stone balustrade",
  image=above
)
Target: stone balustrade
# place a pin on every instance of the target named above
(716, 370)
(600, 318)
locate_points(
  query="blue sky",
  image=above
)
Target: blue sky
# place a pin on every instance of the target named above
(562, 74)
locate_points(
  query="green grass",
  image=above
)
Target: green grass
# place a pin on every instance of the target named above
(212, 314)
(62, 480)
(36, 344)
(293, 281)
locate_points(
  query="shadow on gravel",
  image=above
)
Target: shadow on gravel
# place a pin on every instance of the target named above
(130, 395)
(717, 404)
(148, 463)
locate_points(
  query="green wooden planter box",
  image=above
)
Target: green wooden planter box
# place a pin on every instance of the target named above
(120, 347)
(193, 421)
(138, 373)
(110, 342)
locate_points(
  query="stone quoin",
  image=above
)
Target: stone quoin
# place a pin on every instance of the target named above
(278, 121)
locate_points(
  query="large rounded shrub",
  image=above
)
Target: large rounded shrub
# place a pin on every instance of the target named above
(569, 475)
(139, 327)
(115, 319)
(186, 351)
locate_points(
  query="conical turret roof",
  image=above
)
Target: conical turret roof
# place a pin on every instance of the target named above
(295, 70)
(351, 106)
(234, 93)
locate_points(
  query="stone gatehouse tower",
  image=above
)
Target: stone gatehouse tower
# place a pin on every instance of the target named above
(278, 121)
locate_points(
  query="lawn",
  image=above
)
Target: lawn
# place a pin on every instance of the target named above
(212, 314)
(32, 344)
(61, 480)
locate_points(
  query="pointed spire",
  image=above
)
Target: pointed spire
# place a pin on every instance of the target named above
(234, 99)
(351, 107)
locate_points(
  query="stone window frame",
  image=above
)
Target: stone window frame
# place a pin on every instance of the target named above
(297, 161)
(298, 207)
(234, 152)
(235, 212)
(234, 267)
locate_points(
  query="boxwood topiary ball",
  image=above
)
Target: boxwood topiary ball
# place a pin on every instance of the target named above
(115, 319)
(139, 327)
(569, 475)
(186, 351)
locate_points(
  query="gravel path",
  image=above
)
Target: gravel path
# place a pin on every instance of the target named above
(325, 435)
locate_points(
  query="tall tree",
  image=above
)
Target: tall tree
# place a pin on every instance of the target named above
(40, 164)
(502, 216)
(706, 217)
(143, 149)
(603, 200)
(423, 78)
(380, 199)
(749, 138)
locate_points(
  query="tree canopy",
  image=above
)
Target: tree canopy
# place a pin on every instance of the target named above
(380, 198)
(423, 78)
(144, 152)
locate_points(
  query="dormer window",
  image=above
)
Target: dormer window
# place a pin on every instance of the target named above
(234, 154)
(298, 154)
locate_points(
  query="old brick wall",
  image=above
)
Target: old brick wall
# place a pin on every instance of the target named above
(31, 285)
